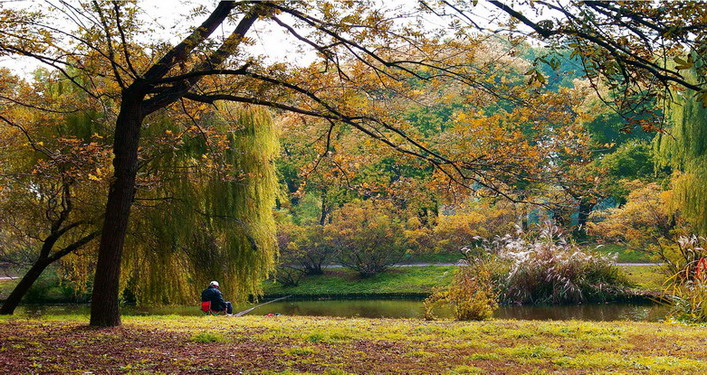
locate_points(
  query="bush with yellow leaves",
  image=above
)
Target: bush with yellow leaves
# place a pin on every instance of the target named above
(471, 293)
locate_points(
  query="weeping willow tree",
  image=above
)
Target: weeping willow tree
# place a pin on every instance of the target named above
(209, 223)
(684, 149)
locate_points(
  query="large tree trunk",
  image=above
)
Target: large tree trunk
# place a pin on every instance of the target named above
(104, 302)
(8, 308)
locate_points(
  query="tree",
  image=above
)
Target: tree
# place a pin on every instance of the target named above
(364, 56)
(628, 46)
(634, 54)
(52, 160)
(649, 223)
(367, 236)
(633, 160)
(684, 149)
(219, 224)
(105, 44)
(470, 222)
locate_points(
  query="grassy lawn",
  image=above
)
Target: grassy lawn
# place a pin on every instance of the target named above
(433, 258)
(303, 345)
(418, 280)
(399, 280)
(624, 255)
(6, 286)
(648, 278)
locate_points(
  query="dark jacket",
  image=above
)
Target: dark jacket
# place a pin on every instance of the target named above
(214, 295)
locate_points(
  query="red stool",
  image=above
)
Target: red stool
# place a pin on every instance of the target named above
(206, 309)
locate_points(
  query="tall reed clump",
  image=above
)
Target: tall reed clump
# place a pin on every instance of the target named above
(546, 267)
(471, 294)
(689, 301)
(687, 289)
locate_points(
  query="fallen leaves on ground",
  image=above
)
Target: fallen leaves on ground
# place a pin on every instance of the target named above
(296, 345)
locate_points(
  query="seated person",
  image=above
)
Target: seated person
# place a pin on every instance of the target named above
(213, 294)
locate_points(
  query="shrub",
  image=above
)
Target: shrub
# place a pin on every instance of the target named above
(48, 287)
(548, 268)
(305, 247)
(289, 270)
(367, 237)
(304, 250)
(470, 294)
(687, 259)
(466, 225)
(689, 298)
(288, 274)
(649, 223)
(689, 302)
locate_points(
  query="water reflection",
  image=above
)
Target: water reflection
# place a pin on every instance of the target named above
(603, 312)
(398, 308)
(347, 308)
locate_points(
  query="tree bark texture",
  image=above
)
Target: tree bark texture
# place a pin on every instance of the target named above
(104, 302)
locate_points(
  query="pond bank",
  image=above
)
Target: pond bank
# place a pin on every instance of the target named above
(378, 308)
(399, 282)
(419, 282)
(299, 345)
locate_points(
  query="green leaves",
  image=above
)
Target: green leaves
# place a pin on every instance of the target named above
(682, 64)
(535, 77)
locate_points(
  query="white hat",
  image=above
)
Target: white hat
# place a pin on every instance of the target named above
(214, 283)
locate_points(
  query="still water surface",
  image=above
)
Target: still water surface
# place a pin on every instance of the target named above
(392, 308)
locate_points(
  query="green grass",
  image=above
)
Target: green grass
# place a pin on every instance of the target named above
(6, 287)
(419, 280)
(648, 278)
(311, 345)
(433, 258)
(398, 280)
(206, 337)
(625, 255)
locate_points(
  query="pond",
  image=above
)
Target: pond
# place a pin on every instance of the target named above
(392, 308)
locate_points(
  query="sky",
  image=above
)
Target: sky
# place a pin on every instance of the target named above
(169, 18)
(172, 20)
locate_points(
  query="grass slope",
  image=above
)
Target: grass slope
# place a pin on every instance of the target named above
(6, 286)
(299, 345)
(624, 254)
(398, 280)
(646, 278)
(418, 280)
